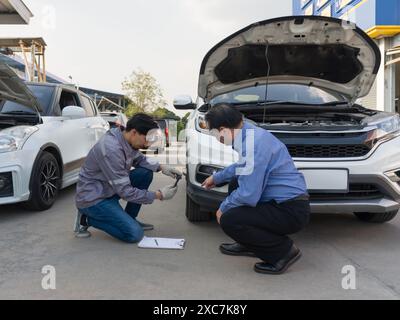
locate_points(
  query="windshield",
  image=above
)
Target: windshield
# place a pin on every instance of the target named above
(42, 93)
(295, 93)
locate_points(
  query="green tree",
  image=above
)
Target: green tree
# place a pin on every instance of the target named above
(131, 110)
(144, 93)
(183, 122)
(162, 113)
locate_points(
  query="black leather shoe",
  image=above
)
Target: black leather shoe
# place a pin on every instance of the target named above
(146, 226)
(282, 265)
(235, 249)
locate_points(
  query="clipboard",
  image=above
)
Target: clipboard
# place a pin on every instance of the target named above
(162, 243)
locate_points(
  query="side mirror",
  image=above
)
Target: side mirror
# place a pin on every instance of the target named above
(184, 103)
(74, 112)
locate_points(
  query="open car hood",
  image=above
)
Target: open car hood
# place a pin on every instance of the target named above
(319, 51)
(12, 88)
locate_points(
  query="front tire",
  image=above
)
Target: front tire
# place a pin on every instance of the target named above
(376, 217)
(45, 183)
(193, 212)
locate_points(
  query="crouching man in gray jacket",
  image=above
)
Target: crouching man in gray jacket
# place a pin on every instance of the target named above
(107, 176)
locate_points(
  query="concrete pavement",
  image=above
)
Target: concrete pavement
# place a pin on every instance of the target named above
(103, 268)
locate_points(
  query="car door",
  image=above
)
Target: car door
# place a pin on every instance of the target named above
(72, 136)
(96, 125)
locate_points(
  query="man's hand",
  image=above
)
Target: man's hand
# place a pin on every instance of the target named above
(170, 171)
(219, 215)
(167, 193)
(209, 183)
(159, 195)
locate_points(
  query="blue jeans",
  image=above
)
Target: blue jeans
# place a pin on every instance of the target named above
(110, 217)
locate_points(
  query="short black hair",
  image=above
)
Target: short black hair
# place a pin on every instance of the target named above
(223, 115)
(142, 123)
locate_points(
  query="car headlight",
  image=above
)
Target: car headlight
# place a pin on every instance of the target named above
(13, 139)
(201, 124)
(386, 130)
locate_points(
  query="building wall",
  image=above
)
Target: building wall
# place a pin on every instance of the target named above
(380, 19)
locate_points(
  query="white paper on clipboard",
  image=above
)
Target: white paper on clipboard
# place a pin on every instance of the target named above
(162, 243)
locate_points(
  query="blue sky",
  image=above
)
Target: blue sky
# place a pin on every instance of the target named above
(99, 43)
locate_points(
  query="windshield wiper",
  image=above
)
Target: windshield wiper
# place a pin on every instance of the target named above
(262, 103)
(19, 112)
(292, 103)
(336, 103)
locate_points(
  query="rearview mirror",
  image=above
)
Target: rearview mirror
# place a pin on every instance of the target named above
(184, 103)
(74, 112)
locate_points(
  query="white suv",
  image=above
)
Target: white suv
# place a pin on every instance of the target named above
(299, 78)
(46, 132)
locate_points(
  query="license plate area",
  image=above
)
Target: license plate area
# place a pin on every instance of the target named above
(326, 180)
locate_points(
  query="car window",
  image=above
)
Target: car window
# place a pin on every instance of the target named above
(88, 106)
(68, 99)
(279, 92)
(96, 112)
(162, 124)
(43, 94)
(124, 119)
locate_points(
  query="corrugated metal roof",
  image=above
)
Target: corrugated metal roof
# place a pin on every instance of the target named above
(15, 42)
(14, 12)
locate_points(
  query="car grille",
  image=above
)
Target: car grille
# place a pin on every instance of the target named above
(328, 151)
(6, 185)
(356, 192)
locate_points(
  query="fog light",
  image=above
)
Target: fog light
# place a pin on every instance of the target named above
(3, 183)
(393, 175)
(6, 185)
(203, 172)
(208, 170)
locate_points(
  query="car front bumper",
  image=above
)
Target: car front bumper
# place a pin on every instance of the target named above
(372, 170)
(19, 164)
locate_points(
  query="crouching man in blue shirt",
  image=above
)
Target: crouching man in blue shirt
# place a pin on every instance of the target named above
(107, 176)
(268, 197)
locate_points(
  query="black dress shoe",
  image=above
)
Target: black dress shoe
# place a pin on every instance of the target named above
(235, 249)
(145, 226)
(282, 265)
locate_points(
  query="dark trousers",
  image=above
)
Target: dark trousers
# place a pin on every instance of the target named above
(264, 229)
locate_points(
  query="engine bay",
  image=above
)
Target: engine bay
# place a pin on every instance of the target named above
(8, 121)
(295, 119)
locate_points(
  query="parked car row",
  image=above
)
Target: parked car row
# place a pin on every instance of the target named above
(299, 78)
